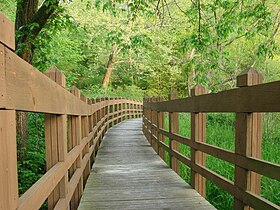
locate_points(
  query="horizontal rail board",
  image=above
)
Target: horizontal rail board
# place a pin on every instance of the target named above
(23, 87)
(257, 98)
(46, 184)
(259, 166)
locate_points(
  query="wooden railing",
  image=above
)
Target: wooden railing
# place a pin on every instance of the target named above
(74, 128)
(247, 101)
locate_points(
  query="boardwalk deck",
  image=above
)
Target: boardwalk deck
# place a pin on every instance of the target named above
(128, 174)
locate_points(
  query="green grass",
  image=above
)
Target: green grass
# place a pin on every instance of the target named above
(220, 128)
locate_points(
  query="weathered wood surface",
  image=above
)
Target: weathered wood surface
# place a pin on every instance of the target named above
(128, 174)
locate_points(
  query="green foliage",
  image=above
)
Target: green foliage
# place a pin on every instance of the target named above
(220, 132)
(130, 92)
(160, 46)
(32, 165)
(8, 8)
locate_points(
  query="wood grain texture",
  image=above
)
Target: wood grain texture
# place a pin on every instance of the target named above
(7, 32)
(3, 99)
(256, 98)
(128, 174)
(198, 134)
(253, 164)
(24, 85)
(248, 141)
(174, 128)
(8, 161)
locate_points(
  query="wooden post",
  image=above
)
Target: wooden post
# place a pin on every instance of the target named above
(102, 117)
(85, 133)
(7, 32)
(115, 110)
(248, 140)
(128, 112)
(111, 110)
(8, 160)
(8, 147)
(120, 110)
(98, 113)
(160, 120)
(132, 109)
(143, 119)
(106, 113)
(76, 135)
(90, 118)
(151, 124)
(94, 121)
(56, 142)
(156, 130)
(124, 111)
(133, 112)
(174, 128)
(149, 117)
(140, 111)
(198, 134)
(137, 110)
(155, 99)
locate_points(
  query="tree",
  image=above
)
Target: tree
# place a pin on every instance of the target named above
(30, 20)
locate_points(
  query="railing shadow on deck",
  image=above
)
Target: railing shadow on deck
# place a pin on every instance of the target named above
(74, 128)
(247, 101)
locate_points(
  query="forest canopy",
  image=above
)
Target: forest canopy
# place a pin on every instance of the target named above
(135, 48)
(153, 47)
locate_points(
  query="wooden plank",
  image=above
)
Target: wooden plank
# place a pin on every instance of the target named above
(174, 128)
(111, 110)
(198, 134)
(77, 136)
(256, 98)
(8, 161)
(124, 173)
(2, 77)
(35, 196)
(85, 133)
(25, 85)
(120, 112)
(7, 32)
(248, 141)
(160, 120)
(262, 167)
(153, 122)
(55, 139)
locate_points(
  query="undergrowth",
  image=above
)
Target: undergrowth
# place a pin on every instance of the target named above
(220, 131)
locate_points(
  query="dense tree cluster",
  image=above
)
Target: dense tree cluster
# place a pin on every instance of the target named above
(136, 47)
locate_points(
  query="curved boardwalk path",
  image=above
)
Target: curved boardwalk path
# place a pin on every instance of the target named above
(128, 174)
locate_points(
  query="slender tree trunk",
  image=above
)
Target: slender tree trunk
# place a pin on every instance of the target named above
(109, 70)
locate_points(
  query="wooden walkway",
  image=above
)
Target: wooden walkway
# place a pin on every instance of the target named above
(128, 174)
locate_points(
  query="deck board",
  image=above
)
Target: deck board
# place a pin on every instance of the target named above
(128, 174)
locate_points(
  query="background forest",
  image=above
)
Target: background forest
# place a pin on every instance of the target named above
(145, 47)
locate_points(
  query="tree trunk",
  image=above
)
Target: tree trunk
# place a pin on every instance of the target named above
(27, 14)
(109, 70)
(26, 10)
